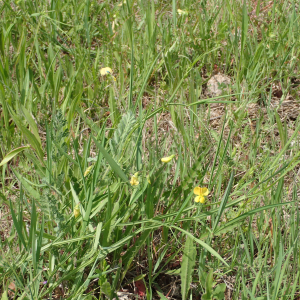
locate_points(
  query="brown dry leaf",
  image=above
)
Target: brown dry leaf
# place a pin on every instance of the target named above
(11, 289)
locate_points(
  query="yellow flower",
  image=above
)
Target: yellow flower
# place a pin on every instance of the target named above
(134, 179)
(120, 4)
(201, 192)
(182, 12)
(105, 71)
(88, 170)
(76, 211)
(167, 159)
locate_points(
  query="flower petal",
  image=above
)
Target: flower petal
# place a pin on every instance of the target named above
(197, 199)
(167, 159)
(197, 190)
(201, 191)
(202, 199)
(105, 71)
(134, 180)
(204, 191)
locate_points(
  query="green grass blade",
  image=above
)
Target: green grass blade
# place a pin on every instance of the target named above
(204, 245)
(35, 194)
(236, 221)
(115, 167)
(18, 225)
(223, 203)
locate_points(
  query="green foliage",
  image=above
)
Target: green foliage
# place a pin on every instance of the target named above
(187, 266)
(118, 145)
(211, 293)
(70, 137)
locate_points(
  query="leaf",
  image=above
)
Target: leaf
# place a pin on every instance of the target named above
(17, 224)
(161, 295)
(223, 203)
(35, 144)
(204, 245)
(187, 266)
(35, 194)
(236, 221)
(115, 167)
(12, 154)
(106, 289)
(208, 286)
(173, 272)
(282, 133)
(32, 124)
(244, 25)
(117, 143)
(219, 291)
(4, 296)
(97, 236)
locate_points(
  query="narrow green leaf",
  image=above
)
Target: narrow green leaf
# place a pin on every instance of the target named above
(39, 240)
(280, 269)
(17, 224)
(115, 167)
(244, 25)
(223, 203)
(183, 206)
(236, 221)
(187, 266)
(204, 245)
(35, 144)
(161, 295)
(31, 123)
(32, 229)
(12, 154)
(97, 237)
(282, 134)
(27, 186)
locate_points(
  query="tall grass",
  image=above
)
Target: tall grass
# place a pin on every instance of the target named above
(71, 139)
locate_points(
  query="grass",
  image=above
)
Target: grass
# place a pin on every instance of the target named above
(72, 139)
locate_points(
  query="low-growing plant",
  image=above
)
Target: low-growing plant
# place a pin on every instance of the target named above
(120, 174)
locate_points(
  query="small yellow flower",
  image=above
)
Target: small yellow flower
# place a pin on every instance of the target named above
(120, 4)
(88, 170)
(105, 71)
(134, 179)
(167, 159)
(201, 192)
(182, 12)
(76, 211)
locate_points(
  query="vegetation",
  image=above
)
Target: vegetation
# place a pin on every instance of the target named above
(93, 94)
